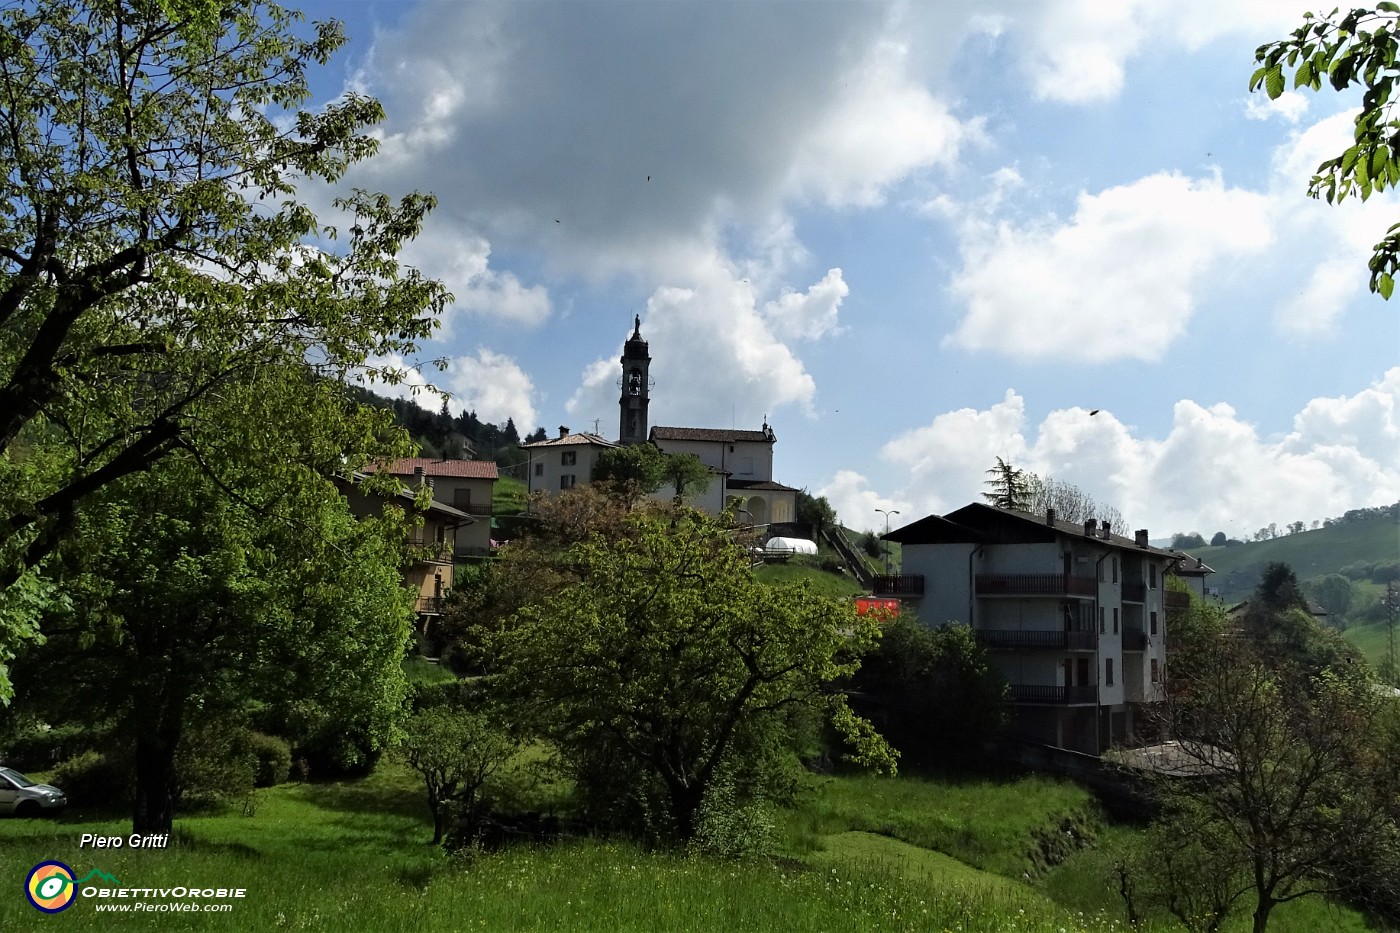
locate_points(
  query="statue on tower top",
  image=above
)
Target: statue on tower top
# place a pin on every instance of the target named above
(637, 326)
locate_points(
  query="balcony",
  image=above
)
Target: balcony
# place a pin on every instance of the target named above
(1053, 696)
(429, 605)
(1049, 640)
(1035, 584)
(1134, 591)
(905, 584)
(479, 509)
(1134, 638)
(1174, 599)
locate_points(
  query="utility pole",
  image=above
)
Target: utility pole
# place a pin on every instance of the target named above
(886, 544)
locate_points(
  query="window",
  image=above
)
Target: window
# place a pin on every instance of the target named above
(568, 458)
(1115, 569)
(1102, 629)
(1108, 672)
(1115, 620)
(1156, 672)
(539, 469)
(567, 481)
(1152, 623)
(1152, 576)
(462, 499)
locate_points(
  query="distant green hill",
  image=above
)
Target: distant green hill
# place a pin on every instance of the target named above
(1311, 554)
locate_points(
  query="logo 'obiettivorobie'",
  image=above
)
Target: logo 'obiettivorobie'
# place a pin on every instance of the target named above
(51, 887)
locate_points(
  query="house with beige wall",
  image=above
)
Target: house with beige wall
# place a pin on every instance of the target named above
(465, 485)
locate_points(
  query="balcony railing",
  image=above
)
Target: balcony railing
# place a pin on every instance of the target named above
(1174, 599)
(429, 605)
(1035, 584)
(430, 550)
(483, 508)
(1134, 592)
(899, 584)
(1034, 693)
(1134, 638)
(1050, 640)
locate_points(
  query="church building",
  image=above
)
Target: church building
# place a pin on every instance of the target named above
(740, 461)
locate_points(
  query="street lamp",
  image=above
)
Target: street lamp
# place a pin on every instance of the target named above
(887, 513)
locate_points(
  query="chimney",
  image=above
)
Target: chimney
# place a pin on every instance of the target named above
(418, 476)
(1050, 517)
(1089, 524)
(1141, 536)
(1106, 530)
(1200, 563)
(563, 430)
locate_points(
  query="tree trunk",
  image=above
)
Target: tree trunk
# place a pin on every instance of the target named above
(1261, 914)
(685, 807)
(155, 784)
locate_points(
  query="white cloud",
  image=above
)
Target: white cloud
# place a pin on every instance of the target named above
(462, 263)
(1077, 50)
(717, 360)
(1327, 293)
(1290, 106)
(808, 315)
(882, 126)
(855, 503)
(495, 387)
(409, 380)
(1117, 280)
(1212, 471)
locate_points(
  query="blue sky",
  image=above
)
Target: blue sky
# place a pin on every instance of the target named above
(915, 237)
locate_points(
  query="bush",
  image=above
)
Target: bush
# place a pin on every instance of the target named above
(274, 757)
(729, 828)
(39, 749)
(214, 764)
(93, 779)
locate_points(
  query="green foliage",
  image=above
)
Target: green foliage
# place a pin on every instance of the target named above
(455, 751)
(815, 511)
(1285, 727)
(93, 779)
(666, 659)
(932, 692)
(274, 759)
(154, 258)
(1355, 47)
(636, 465)
(215, 763)
(22, 604)
(871, 544)
(1218, 539)
(1009, 488)
(1332, 592)
(687, 475)
(1192, 540)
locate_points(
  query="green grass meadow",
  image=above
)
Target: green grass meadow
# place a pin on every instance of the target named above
(856, 854)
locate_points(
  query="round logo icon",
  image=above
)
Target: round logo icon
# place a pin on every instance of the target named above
(50, 887)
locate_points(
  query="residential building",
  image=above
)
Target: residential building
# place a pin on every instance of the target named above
(1073, 615)
(466, 485)
(563, 462)
(428, 565)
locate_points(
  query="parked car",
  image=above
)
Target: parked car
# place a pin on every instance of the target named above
(23, 797)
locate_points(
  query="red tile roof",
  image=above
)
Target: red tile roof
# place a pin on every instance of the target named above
(571, 440)
(466, 469)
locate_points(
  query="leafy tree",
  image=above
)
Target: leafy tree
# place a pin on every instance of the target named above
(1071, 504)
(1333, 593)
(871, 544)
(631, 472)
(152, 250)
(687, 475)
(1194, 539)
(815, 511)
(197, 597)
(455, 751)
(1356, 47)
(1010, 487)
(1218, 539)
(666, 662)
(932, 692)
(1295, 785)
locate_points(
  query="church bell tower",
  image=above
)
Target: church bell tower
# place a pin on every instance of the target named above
(636, 388)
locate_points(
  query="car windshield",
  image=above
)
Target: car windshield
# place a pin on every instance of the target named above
(18, 778)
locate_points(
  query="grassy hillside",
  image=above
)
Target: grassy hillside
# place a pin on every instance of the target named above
(508, 496)
(804, 568)
(1310, 553)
